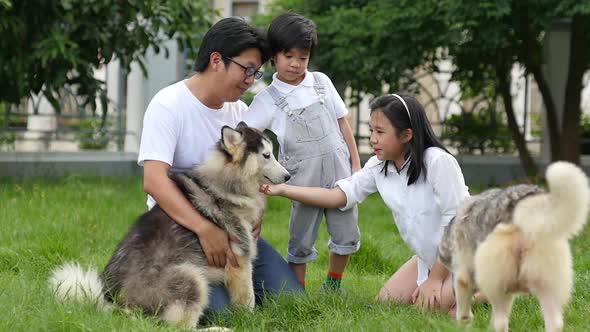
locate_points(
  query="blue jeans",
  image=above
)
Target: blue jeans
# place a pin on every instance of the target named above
(271, 274)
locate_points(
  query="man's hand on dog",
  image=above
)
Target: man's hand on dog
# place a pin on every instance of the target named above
(256, 229)
(216, 245)
(427, 295)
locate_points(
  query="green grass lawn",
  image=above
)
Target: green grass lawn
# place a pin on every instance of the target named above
(47, 222)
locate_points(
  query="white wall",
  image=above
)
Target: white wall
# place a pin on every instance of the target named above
(161, 72)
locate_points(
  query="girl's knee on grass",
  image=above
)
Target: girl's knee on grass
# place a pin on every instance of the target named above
(395, 295)
(402, 284)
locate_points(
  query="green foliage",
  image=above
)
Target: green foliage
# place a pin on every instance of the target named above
(365, 44)
(585, 135)
(486, 34)
(585, 126)
(91, 134)
(247, 97)
(478, 132)
(49, 44)
(378, 45)
(7, 138)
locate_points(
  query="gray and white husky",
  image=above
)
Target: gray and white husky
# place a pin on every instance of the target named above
(159, 266)
(505, 241)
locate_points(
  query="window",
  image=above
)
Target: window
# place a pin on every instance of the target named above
(244, 8)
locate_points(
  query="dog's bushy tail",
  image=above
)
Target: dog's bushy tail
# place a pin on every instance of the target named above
(563, 211)
(71, 283)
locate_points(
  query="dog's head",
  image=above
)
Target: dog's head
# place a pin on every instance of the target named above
(250, 153)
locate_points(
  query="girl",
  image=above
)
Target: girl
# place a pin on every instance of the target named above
(422, 184)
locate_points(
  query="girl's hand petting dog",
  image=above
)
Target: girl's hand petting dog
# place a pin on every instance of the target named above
(428, 295)
(272, 189)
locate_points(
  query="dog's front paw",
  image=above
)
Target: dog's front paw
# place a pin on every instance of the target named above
(244, 299)
(250, 301)
(214, 329)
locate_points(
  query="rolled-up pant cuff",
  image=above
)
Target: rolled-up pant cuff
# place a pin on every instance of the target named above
(302, 259)
(343, 249)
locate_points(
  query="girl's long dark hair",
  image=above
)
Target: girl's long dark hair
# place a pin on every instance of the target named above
(423, 137)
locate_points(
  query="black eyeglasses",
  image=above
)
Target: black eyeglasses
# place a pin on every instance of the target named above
(250, 71)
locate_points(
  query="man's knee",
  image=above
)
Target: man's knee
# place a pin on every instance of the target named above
(272, 273)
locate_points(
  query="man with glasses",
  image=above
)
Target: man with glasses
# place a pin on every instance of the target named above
(184, 120)
(249, 71)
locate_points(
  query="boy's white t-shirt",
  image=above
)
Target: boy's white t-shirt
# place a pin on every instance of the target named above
(180, 130)
(264, 114)
(421, 210)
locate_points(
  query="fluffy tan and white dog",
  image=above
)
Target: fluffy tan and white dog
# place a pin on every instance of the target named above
(511, 240)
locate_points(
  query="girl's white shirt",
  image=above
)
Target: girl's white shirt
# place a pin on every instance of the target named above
(421, 210)
(264, 114)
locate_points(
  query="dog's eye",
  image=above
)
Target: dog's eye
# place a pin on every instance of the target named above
(266, 155)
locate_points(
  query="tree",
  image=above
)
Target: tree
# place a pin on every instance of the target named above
(368, 44)
(364, 44)
(492, 36)
(48, 44)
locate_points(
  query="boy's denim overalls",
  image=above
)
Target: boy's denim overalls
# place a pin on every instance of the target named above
(316, 155)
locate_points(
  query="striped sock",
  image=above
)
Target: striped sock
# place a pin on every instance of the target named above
(333, 280)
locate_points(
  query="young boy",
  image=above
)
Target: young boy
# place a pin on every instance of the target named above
(317, 146)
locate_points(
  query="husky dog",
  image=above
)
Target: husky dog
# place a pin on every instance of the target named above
(512, 240)
(159, 266)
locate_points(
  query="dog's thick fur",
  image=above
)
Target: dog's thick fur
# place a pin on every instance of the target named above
(159, 266)
(511, 240)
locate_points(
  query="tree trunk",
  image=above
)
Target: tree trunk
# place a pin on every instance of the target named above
(528, 164)
(570, 129)
(550, 112)
(533, 66)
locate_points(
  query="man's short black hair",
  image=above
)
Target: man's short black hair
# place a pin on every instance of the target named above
(230, 37)
(290, 30)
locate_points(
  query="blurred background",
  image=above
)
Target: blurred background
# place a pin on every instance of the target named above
(505, 83)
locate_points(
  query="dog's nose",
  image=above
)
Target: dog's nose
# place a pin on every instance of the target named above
(287, 177)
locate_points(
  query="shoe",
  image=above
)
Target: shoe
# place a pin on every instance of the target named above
(326, 289)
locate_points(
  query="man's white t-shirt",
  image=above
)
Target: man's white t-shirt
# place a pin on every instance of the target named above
(264, 114)
(180, 130)
(422, 209)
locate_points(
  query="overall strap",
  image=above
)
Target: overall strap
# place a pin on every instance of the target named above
(279, 99)
(318, 86)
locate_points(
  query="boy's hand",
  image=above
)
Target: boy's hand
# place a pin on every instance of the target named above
(272, 189)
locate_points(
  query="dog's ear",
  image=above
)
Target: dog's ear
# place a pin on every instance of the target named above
(230, 138)
(242, 125)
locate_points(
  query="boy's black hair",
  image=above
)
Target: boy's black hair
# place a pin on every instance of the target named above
(424, 136)
(230, 37)
(290, 30)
